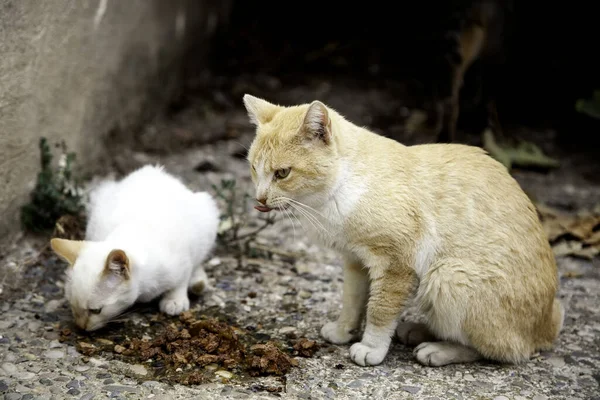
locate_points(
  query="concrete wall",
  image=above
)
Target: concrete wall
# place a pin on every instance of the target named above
(75, 69)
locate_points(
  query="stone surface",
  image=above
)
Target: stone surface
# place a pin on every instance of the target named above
(302, 295)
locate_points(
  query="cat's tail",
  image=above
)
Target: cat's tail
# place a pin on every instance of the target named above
(558, 315)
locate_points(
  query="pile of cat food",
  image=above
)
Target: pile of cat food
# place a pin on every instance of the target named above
(192, 351)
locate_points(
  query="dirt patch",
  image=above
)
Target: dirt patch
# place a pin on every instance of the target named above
(192, 350)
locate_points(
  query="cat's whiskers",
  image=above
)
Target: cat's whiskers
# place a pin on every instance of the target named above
(119, 317)
(281, 204)
(308, 212)
(287, 214)
(310, 218)
(305, 206)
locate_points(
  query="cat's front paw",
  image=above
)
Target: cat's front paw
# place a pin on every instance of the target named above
(171, 306)
(336, 334)
(364, 355)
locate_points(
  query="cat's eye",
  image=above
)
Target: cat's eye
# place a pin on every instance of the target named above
(95, 310)
(282, 173)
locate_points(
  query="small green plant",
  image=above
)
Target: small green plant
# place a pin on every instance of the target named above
(590, 107)
(56, 193)
(235, 218)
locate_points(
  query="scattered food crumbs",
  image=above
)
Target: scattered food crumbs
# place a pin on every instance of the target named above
(192, 351)
(305, 348)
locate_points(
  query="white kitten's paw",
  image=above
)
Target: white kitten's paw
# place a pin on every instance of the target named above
(336, 334)
(174, 306)
(412, 334)
(199, 282)
(364, 355)
(437, 354)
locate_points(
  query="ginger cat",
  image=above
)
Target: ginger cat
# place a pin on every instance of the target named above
(443, 222)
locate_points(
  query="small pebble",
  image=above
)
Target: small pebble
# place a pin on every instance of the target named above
(27, 396)
(139, 370)
(74, 384)
(13, 396)
(54, 354)
(411, 389)
(287, 329)
(34, 326)
(96, 363)
(74, 392)
(119, 349)
(81, 368)
(3, 386)
(102, 375)
(540, 397)
(214, 261)
(46, 381)
(224, 374)
(52, 305)
(556, 362)
(9, 368)
(469, 378)
(88, 396)
(55, 344)
(501, 398)
(5, 325)
(25, 376)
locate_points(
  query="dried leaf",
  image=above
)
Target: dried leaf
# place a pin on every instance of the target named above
(576, 249)
(572, 235)
(522, 153)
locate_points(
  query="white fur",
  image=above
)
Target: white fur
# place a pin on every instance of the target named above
(166, 231)
(332, 209)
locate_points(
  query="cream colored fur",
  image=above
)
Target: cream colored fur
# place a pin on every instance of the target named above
(442, 222)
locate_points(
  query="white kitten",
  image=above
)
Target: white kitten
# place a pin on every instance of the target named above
(147, 236)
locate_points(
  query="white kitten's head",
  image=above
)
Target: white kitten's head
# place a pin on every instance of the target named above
(99, 285)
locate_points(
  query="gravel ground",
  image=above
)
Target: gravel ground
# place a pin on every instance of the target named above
(292, 294)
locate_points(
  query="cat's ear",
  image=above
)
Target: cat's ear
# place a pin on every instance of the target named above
(117, 264)
(317, 124)
(66, 249)
(260, 111)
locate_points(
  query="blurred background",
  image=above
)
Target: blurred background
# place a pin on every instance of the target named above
(113, 78)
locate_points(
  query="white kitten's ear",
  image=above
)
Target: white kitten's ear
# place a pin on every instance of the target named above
(117, 263)
(260, 111)
(317, 124)
(66, 249)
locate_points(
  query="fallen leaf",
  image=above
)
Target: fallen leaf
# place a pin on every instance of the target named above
(572, 235)
(576, 249)
(520, 153)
